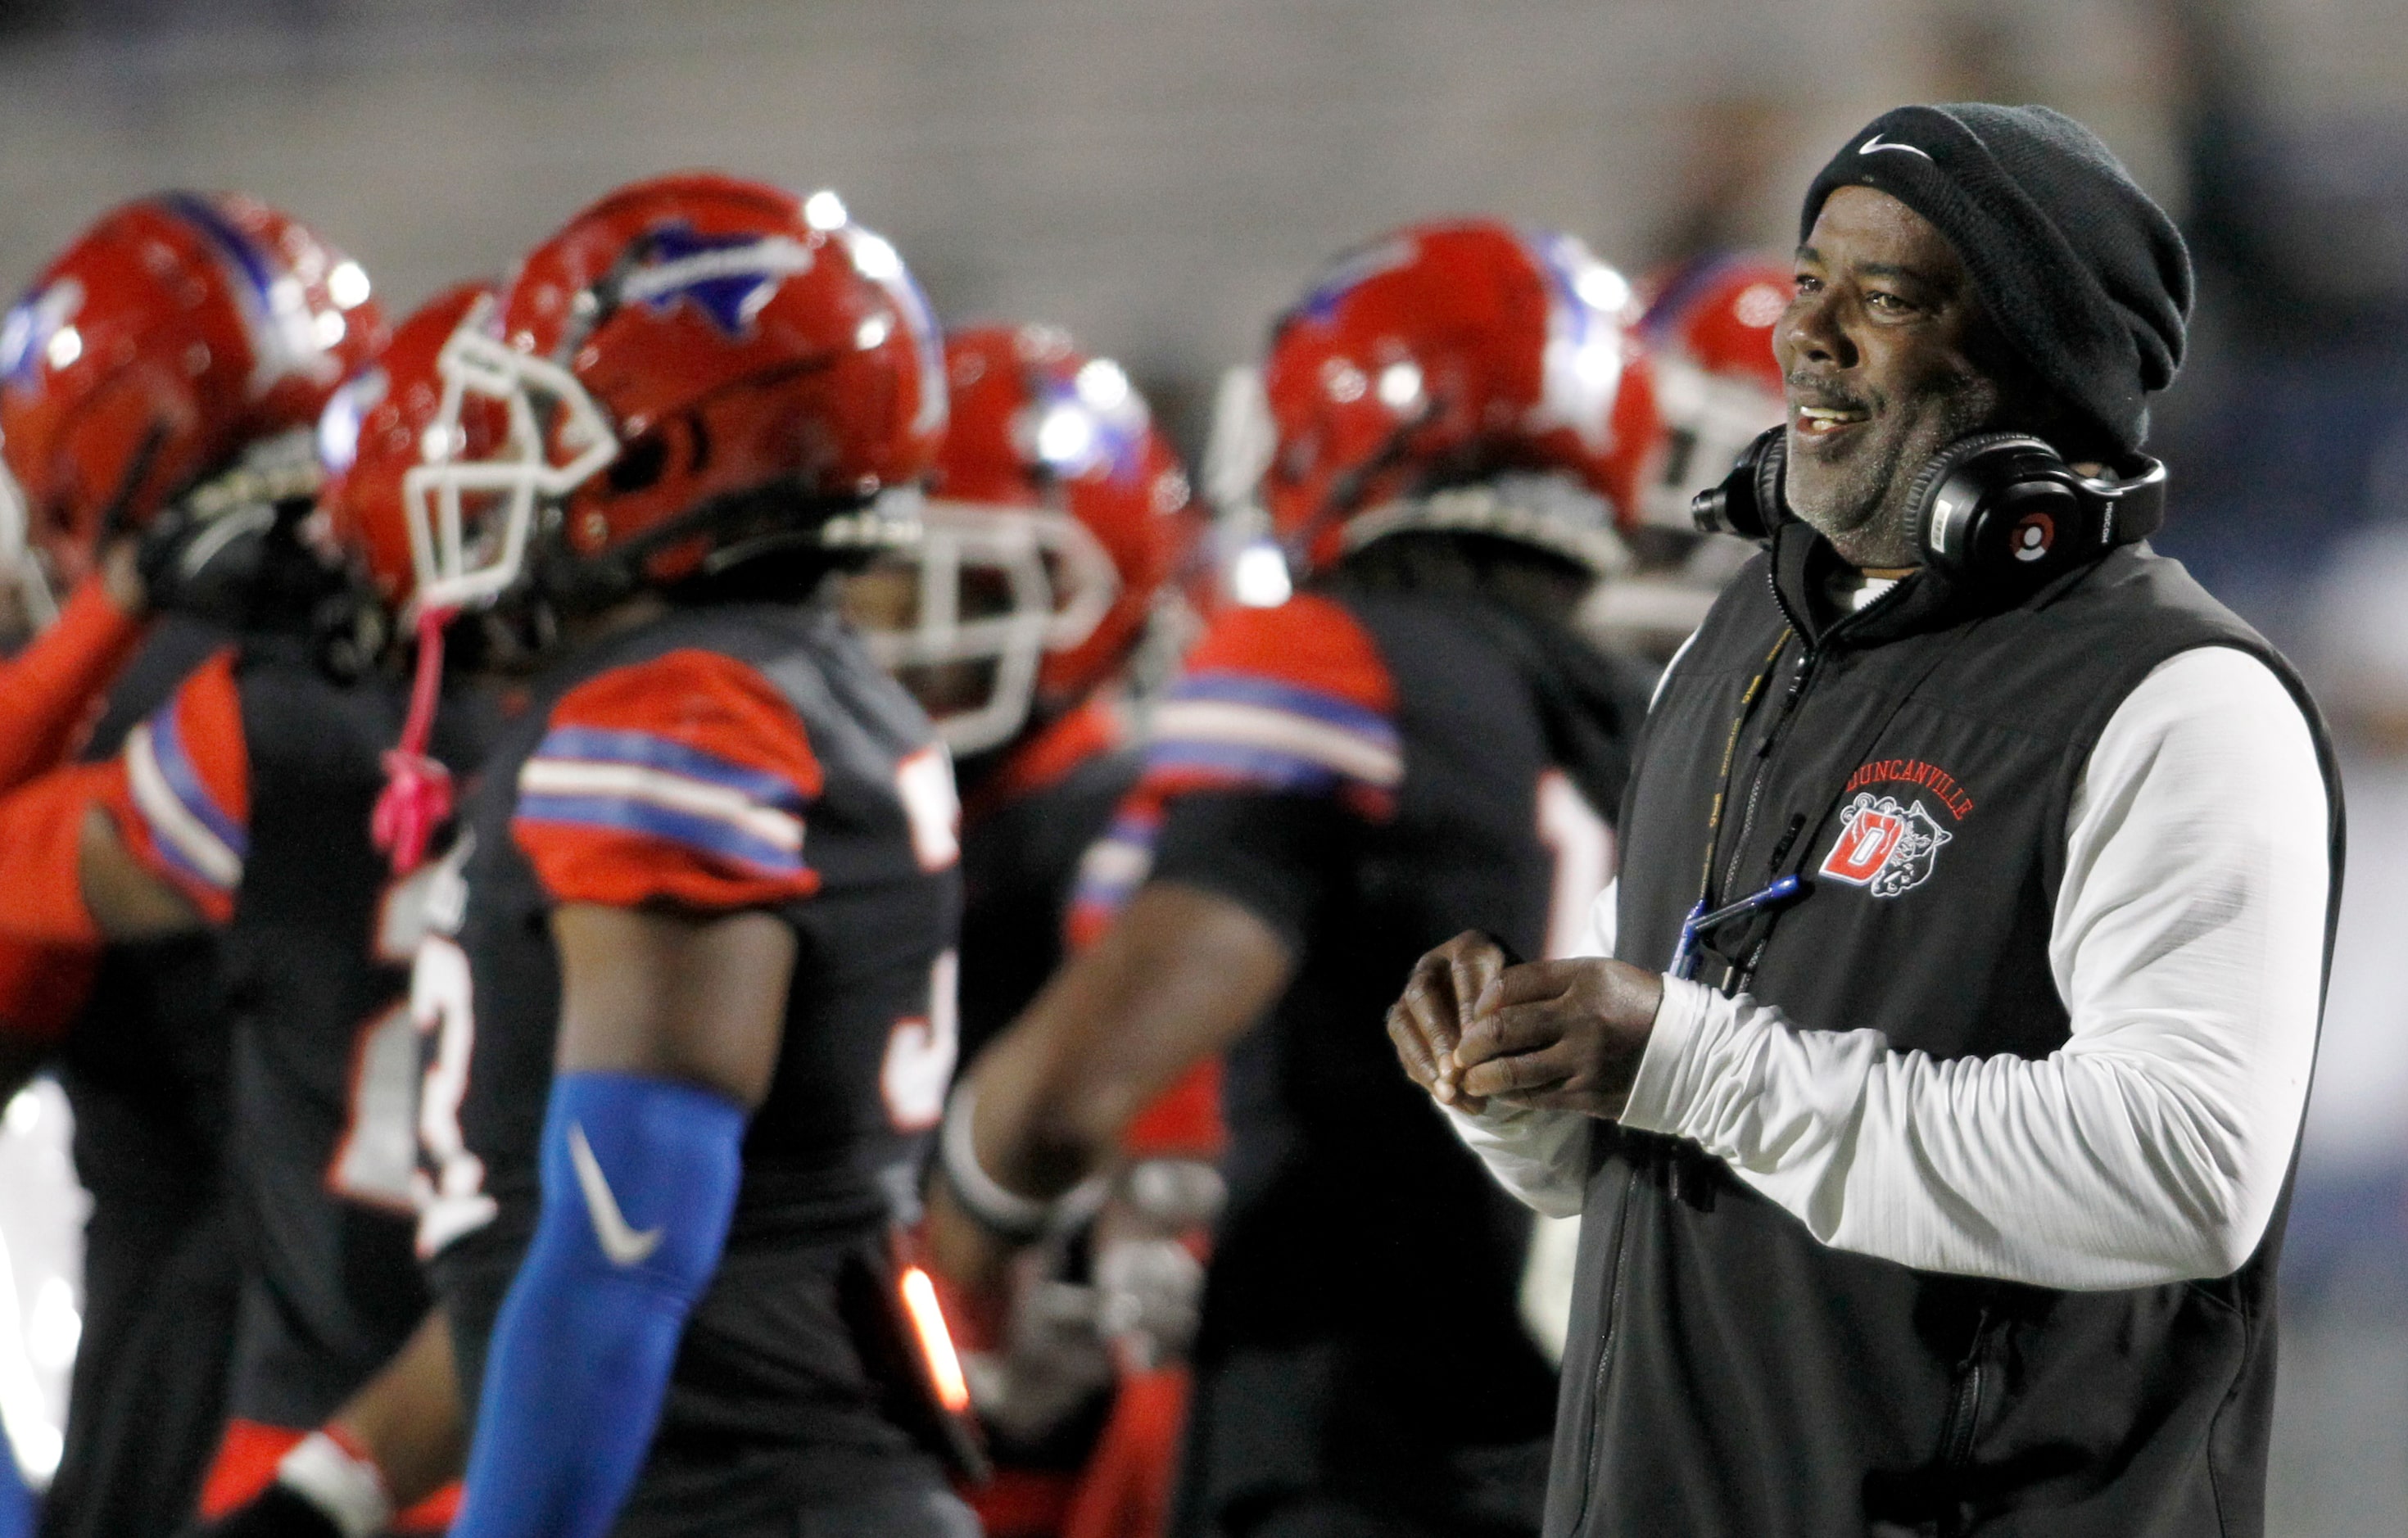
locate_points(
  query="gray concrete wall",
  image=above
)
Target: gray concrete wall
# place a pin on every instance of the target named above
(1159, 174)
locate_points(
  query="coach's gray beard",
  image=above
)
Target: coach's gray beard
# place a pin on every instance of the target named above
(1863, 509)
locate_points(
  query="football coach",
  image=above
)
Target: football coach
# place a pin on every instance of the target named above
(1933, 1127)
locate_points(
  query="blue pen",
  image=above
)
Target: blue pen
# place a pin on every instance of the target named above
(1700, 922)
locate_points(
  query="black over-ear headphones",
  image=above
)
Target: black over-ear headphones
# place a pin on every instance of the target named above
(1995, 507)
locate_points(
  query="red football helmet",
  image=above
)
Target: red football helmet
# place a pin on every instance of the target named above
(1441, 355)
(1708, 332)
(1055, 518)
(171, 334)
(372, 439)
(680, 344)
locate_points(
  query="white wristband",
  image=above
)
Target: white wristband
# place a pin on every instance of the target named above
(1018, 1218)
(350, 1489)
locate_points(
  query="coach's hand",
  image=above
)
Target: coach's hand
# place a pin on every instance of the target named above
(1428, 1020)
(1558, 1035)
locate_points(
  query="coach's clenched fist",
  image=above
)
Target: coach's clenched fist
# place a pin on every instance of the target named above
(1561, 1035)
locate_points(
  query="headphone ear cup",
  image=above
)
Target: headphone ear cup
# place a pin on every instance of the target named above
(1772, 463)
(1750, 502)
(1953, 498)
(1919, 491)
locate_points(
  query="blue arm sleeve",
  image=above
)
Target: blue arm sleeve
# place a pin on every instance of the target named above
(16, 1503)
(639, 1179)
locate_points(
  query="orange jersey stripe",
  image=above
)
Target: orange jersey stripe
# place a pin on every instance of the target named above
(683, 778)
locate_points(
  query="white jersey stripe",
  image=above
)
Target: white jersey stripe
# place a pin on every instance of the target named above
(663, 788)
(1224, 722)
(1116, 862)
(171, 821)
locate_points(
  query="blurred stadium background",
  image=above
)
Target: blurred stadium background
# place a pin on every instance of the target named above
(1160, 174)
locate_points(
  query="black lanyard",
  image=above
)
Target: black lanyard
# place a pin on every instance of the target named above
(1730, 757)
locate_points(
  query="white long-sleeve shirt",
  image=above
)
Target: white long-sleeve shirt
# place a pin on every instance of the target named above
(2187, 944)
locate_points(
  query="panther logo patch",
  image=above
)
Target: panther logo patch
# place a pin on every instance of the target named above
(1884, 847)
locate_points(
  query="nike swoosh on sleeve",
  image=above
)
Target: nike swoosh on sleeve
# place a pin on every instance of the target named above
(1874, 146)
(621, 1242)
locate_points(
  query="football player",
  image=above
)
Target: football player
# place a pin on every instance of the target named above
(1057, 520)
(685, 1052)
(1711, 385)
(1058, 527)
(160, 375)
(1412, 745)
(241, 806)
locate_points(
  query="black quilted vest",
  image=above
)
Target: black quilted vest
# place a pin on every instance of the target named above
(1915, 762)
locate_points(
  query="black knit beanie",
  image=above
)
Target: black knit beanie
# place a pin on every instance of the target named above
(2087, 277)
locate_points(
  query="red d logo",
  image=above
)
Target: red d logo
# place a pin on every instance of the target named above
(1884, 847)
(1865, 844)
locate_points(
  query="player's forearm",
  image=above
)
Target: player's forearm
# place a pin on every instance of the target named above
(66, 877)
(392, 1444)
(1181, 975)
(638, 1179)
(407, 1417)
(48, 690)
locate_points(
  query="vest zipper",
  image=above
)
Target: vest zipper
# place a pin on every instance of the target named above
(1965, 1407)
(1605, 1345)
(1807, 663)
(1964, 1421)
(1757, 773)
(1962, 1416)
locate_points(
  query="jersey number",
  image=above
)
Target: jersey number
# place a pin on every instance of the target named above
(378, 1156)
(376, 1159)
(452, 1201)
(923, 783)
(920, 1052)
(1582, 846)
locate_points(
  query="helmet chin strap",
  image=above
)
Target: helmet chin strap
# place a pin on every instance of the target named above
(1349, 491)
(417, 796)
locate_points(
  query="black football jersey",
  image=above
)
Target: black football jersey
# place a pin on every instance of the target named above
(145, 1063)
(681, 764)
(144, 1068)
(251, 789)
(1372, 772)
(1029, 834)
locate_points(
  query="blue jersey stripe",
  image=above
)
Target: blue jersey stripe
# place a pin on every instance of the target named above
(1096, 894)
(1133, 829)
(174, 855)
(1235, 688)
(649, 750)
(176, 768)
(704, 835)
(1264, 767)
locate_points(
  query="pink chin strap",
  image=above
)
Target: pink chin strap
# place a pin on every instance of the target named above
(417, 796)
